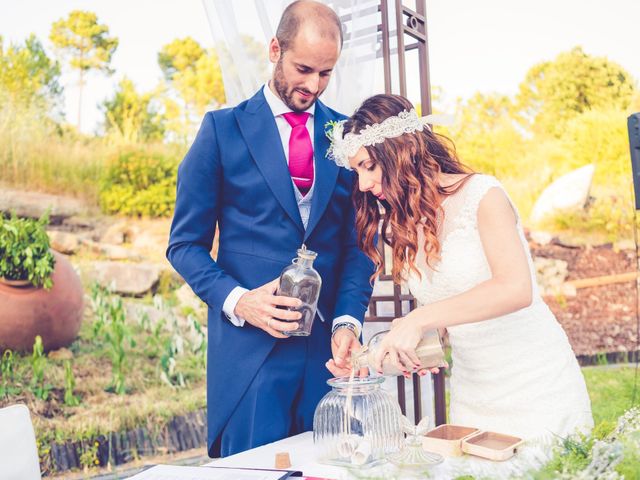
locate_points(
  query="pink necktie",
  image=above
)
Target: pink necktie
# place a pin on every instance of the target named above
(300, 151)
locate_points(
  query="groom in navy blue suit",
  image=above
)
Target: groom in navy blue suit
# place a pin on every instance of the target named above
(246, 173)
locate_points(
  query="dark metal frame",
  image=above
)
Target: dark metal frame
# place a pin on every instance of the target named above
(412, 24)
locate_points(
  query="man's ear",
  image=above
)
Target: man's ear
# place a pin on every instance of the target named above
(274, 50)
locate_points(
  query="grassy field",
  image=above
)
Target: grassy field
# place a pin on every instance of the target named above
(611, 391)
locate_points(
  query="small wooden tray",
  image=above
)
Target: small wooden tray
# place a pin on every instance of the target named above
(446, 439)
(491, 445)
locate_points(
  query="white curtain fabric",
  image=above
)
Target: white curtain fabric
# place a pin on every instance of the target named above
(356, 77)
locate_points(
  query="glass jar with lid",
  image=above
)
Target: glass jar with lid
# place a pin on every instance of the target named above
(300, 280)
(357, 423)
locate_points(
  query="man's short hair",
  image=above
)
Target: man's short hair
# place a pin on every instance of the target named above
(291, 21)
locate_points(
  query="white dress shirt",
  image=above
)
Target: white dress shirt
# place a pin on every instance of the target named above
(278, 108)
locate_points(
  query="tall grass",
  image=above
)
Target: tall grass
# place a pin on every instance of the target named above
(38, 154)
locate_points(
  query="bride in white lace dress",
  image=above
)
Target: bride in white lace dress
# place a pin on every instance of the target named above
(513, 369)
(459, 244)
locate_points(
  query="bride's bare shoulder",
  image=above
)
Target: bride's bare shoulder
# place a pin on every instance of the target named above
(451, 180)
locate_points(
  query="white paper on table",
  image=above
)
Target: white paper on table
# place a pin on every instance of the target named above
(176, 472)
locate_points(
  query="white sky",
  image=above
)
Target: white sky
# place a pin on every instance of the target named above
(475, 45)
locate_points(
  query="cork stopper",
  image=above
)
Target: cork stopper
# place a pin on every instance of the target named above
(306, 254)
(283, 461)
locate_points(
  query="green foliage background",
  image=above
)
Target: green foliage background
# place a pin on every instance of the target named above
(569, 111)
(139, 183)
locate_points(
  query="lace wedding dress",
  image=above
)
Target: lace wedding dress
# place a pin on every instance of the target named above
(514, 374)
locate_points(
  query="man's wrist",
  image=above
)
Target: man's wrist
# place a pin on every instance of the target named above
(348, 325)
(347, 319)
(230, 304)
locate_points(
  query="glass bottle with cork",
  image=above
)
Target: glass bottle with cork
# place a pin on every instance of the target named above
(300, 280)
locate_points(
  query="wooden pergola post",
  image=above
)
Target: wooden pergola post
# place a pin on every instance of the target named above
(408, 25)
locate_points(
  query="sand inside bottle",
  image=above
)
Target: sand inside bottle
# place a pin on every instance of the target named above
(429, 351)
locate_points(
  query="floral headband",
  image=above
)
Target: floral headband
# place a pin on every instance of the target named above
(405, 122)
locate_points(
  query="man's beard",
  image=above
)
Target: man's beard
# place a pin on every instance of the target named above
(281, 86)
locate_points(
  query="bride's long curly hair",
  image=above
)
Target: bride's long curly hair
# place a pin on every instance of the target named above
(410, 167)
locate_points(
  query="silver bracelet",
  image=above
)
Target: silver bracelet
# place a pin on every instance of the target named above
(349, 325)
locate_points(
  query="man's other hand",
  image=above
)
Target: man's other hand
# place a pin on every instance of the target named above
(344, 344)
(259, 307)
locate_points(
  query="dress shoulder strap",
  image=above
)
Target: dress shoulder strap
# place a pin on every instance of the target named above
(475, 190)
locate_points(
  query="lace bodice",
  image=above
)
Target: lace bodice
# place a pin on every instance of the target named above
(462, 263)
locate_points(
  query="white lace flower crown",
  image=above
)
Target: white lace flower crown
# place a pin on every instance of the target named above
(405, 122)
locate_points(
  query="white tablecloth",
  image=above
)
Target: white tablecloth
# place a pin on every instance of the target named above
(301, 452)
(303, 457)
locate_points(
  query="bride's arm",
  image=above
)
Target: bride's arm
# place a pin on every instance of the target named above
(509, 288)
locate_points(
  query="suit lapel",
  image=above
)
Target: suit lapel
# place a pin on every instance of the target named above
(326, 171)
(261, 135)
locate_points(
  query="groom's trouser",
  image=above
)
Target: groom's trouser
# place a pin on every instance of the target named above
(282, 397)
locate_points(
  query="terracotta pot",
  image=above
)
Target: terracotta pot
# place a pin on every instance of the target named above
(15, 283)
(55, 315)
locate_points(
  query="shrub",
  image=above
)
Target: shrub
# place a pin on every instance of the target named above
(69, 385)
(139, 183)
(600, 138)
(24, 251)
(112, 322)
(7, 379)
(609, 217)
(38, 366)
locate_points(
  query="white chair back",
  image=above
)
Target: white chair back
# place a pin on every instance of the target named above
(18, 451)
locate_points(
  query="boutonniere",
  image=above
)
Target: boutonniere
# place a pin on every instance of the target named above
(328, 129)
(333, 131)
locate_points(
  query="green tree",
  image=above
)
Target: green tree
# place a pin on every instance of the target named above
(600, 137)
(27, 75)
(131, 117)
(553, 92)
(30, 98)
(178, 56)
(174, 119)
(254, 59)
(482, 114)
(201, 87)
(86, 44)
(194, 75)
(486, 135)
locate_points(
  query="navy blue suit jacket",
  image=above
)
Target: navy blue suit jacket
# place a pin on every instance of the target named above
(235, 176)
